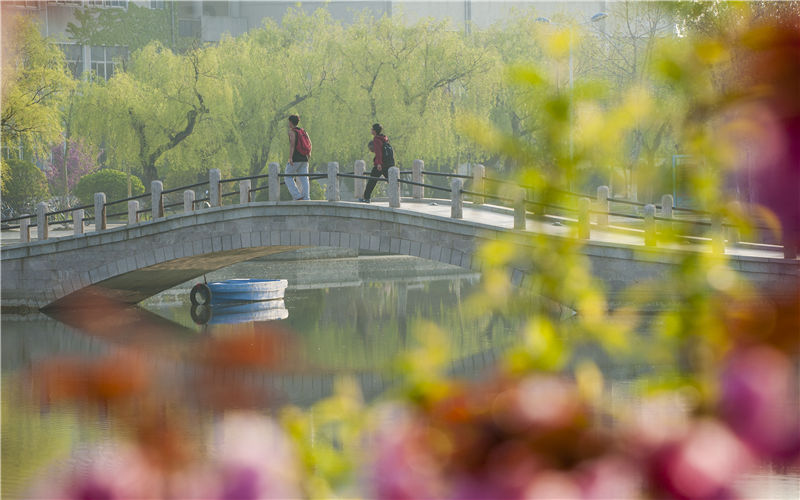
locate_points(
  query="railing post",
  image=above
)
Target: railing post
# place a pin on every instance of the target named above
(274, 185)
(24, 229)
(214, 195)
(666, 206)
(244, 191)
(156, 200)
(603, 207)
(456, 201)
(133, 212)
(416, 175)
(519, 209)
(584, 224)
(717, 234)
(359, 184)
(790, 246)
(77, 222)
(332, 190)
(394, 187)
(188, 201)
(650, 225)
(99, 212)
(41, 221)
(478, 173)
(734, 237)
(667, 203)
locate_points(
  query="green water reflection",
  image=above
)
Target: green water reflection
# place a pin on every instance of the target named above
(347, 316)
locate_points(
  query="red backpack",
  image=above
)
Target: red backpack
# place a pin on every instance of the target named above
(303, 143)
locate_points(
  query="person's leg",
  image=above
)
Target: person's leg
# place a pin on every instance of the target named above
(375, 173)
(291, 169)
(305, 184)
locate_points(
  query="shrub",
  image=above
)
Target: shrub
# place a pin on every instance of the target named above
(111, 182)
(24, 185)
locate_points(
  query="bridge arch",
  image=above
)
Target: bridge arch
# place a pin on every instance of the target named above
(135, 261)
(131, 263)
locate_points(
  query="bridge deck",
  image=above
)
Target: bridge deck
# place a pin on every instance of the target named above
(617, 233)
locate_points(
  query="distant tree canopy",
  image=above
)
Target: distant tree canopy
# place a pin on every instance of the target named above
(24, 185)
(175, 110)
(34, 84)
(111, 182)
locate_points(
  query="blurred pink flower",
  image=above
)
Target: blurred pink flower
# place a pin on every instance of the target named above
(256, 459)
(106, 472)
(771, 103)
(404, 466)
(759, 400)
(702, 464)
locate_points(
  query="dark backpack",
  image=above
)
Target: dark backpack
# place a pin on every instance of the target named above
(388, 154)
(303, 143)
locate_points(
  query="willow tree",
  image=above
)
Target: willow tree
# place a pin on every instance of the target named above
(406, 77)
(34, 84)
(156, 104)
(276, 70)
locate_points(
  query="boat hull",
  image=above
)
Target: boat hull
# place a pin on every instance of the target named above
(237, 290)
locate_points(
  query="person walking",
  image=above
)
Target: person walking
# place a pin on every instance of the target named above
(379, 162)
(297, 166)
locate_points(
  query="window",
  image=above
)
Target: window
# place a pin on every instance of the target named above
(158, 4)
(72, 54)
(215, 9)
(106, 59)
(12, 152)
(107, 3)
(25, 4)
(189, 28)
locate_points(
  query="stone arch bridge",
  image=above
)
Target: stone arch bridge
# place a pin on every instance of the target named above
(134, 261)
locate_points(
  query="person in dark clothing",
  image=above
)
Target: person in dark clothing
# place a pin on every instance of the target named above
(378, 168)
(297, 164)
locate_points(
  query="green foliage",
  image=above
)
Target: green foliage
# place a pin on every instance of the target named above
(34, 84)
(111, 182)
(133, 27)
(24, 185)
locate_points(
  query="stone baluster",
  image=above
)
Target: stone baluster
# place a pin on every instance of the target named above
(790, 246)
(416, 176)
(359, 184)
(650, 225)
(456, 200)
(717, 234)
(188, 201)
(42, 230)
(77, 221)
(244, 191)
(519, 209)
(274, 185)
(133, 212)
(156, 199)
(603, 207)
(394, 187)
(25, 229)
(667, 203)
(584, 223)
(214, 193)
(99, 212)
(478, 173)
(734, 236)
(332, 190)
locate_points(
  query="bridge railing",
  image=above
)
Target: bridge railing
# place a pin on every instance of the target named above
(654, 222)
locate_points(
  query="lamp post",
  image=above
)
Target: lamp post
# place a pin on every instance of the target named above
(596, 17)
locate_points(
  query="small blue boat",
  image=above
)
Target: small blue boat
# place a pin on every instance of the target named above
(237, 290)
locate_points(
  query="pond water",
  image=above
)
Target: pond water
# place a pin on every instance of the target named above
(342, 316)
